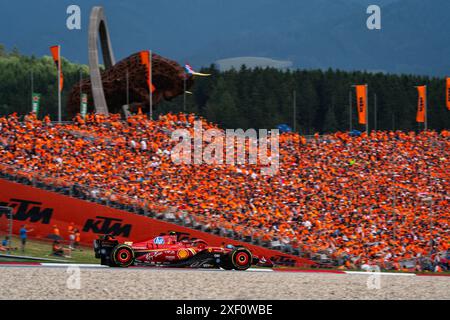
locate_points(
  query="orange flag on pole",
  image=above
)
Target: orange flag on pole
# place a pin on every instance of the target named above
(56, 53)
(421, 103)
(448, 93)
(361, 98)
(145, 60)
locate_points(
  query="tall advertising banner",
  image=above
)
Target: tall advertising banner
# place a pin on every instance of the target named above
(361, 98)
(56, 54)
(145, 60)
(36, 103)
(448, 93)
(421, 104)
(83, 107)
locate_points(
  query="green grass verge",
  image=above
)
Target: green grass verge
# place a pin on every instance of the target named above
(43, 249)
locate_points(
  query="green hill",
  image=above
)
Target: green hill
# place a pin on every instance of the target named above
(256, 98)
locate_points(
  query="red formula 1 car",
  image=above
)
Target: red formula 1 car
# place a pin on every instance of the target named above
(168, 251)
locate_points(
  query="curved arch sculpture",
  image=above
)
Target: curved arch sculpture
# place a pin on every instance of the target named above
(124, 83)
(98, 26)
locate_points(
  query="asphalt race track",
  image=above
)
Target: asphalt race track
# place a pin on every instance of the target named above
(51, 282)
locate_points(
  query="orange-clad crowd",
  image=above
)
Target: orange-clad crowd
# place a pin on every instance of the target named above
(377, 199)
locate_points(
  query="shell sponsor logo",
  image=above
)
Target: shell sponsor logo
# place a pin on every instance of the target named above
(183, 254)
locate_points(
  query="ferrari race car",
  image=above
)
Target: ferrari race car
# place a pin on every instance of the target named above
(168, 251)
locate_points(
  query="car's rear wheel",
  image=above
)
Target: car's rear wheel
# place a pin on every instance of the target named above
(226, 263)
(104, 261)
(122, 256)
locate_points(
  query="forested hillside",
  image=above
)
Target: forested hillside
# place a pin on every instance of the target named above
(249, 98)
(16, 72)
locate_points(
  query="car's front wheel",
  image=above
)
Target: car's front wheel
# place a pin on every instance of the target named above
(122, 256)
(239, 259)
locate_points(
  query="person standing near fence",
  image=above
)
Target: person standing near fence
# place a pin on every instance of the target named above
(71, 232)
(77, 239)
(56, 232)
(4, 245)
(23, 236)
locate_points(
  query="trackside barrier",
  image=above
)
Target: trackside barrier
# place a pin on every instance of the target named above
(41, 209)
(322, 256)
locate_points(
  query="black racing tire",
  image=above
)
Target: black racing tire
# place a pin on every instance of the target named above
(104, 261)
(122, 256)
(226, 263)
(239, 259)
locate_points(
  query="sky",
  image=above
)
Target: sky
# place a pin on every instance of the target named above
(310, 34)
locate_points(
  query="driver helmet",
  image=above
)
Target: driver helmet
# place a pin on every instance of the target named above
(174, 236)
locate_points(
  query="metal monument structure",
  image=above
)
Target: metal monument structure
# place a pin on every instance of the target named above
(125, 83)
(98, 26)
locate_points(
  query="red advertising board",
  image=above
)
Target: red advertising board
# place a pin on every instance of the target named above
(40, 210)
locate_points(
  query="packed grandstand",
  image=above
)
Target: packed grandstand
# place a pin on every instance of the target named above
(353, 200)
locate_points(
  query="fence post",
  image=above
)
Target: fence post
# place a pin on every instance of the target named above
(9, 214)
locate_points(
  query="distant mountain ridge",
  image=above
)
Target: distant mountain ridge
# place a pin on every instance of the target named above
(312, 34)
(252, 62)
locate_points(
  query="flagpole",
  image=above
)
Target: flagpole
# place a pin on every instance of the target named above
(295, 111)
(32, 89)
(426, 109)
(350, 103)
(151, 82)
(393, 121)
(375, 111)
(59, 84)
(81, 87)
(184, 93)
(128, 89)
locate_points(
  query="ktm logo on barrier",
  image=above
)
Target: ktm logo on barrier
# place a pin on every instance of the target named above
(105, 225)
(28, 210)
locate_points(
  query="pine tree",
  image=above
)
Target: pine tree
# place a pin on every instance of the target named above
(221, 108)
(330, 123)
(256, 98)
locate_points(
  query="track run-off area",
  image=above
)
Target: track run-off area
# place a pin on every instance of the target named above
(63, 281)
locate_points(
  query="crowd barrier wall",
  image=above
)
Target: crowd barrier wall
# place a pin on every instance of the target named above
(40, 210)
